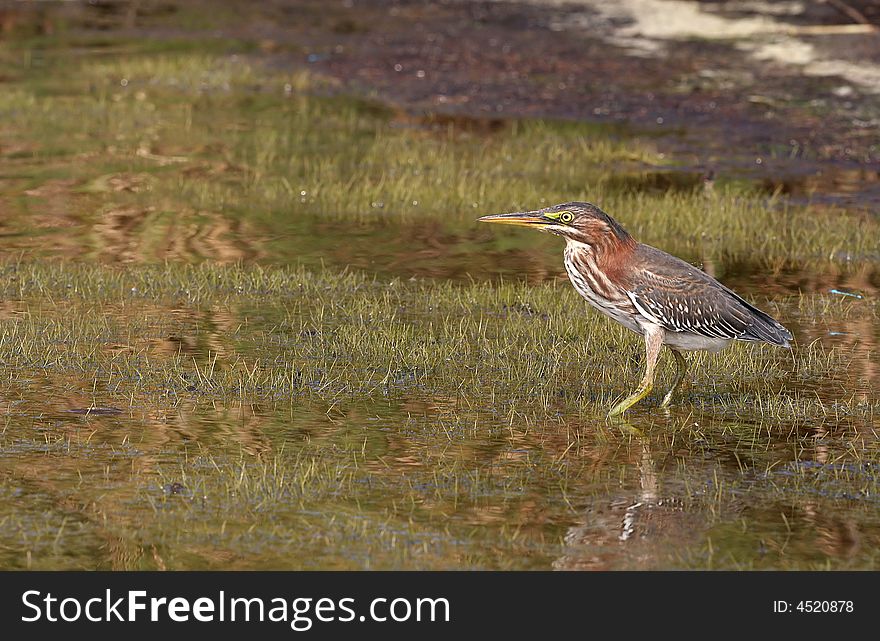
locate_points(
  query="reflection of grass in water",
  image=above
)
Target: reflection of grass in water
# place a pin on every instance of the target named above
(802, 514)
(378, 520)
(221, 134)
(329, 503)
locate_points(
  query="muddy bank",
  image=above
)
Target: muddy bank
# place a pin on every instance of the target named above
(728, 103)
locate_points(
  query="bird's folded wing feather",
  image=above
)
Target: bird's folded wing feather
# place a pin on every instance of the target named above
(692, 301)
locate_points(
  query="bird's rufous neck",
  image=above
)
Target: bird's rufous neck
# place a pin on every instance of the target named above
(613, 256)
(607, 246)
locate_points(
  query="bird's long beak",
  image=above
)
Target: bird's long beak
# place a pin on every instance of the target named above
(524, 219)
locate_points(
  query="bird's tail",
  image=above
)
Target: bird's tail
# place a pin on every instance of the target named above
(766, 328)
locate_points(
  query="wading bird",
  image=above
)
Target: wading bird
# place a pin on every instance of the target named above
(659, 296)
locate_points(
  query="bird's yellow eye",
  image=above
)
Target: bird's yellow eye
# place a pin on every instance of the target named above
(566, 216)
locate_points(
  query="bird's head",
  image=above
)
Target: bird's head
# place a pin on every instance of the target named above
(580, 222)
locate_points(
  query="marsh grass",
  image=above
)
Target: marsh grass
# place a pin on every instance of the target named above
(273, 334)
(186, 138)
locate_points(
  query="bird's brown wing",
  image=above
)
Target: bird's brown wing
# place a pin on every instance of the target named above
(681, 298)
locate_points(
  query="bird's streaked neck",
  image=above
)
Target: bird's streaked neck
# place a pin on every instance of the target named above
(572, 245)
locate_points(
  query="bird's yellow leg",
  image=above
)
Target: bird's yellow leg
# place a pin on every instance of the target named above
(653, 343)
(681, 367)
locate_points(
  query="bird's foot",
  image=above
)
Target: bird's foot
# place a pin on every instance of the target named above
(628, 402)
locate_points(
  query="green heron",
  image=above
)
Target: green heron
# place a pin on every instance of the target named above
(648, 291)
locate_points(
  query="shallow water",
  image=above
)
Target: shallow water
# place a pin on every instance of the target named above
(444, 248)
(428, 486)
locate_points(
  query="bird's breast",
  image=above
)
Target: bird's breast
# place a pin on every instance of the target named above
(590, 282)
